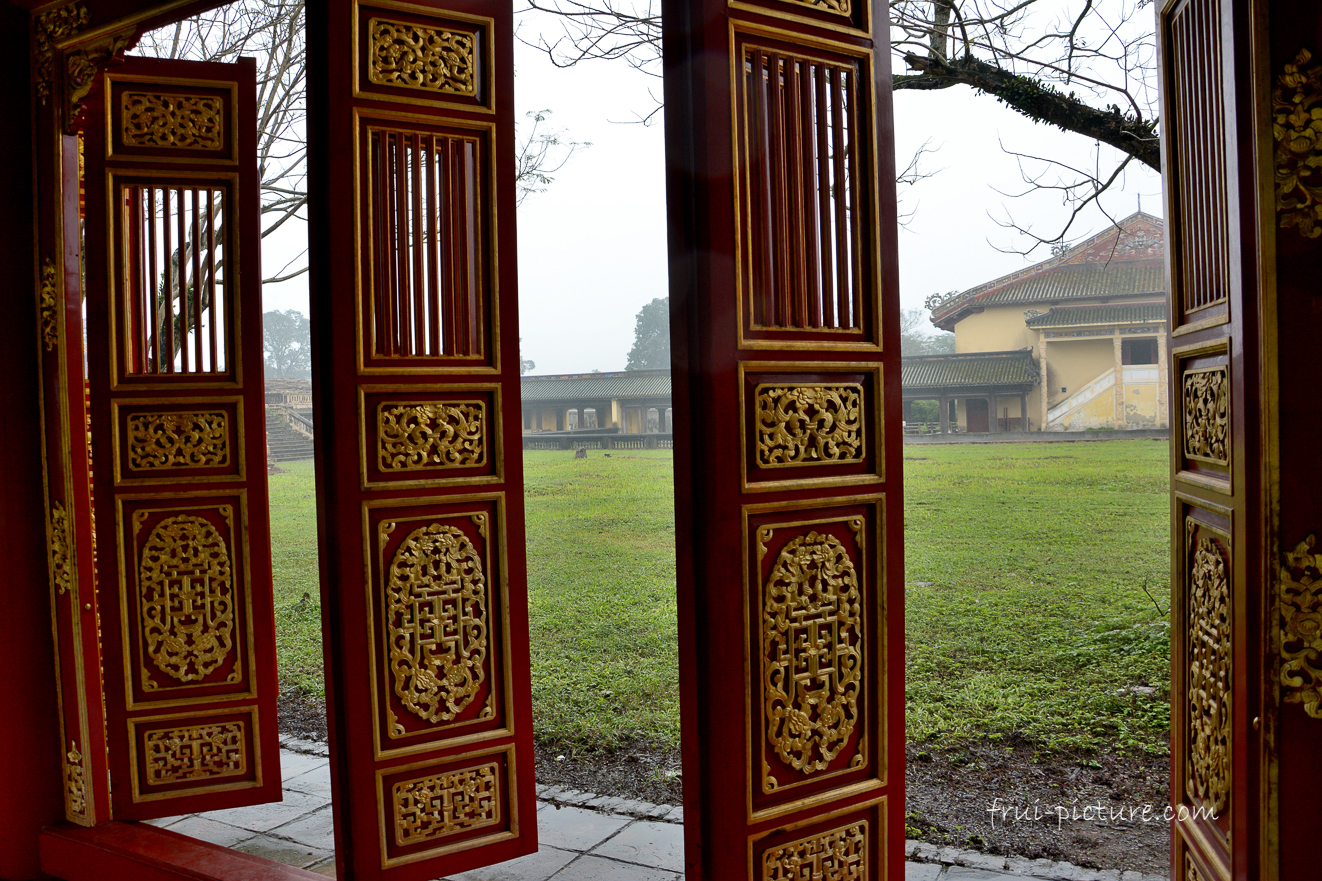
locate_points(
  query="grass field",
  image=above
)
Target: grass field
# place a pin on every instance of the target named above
(1025, 569)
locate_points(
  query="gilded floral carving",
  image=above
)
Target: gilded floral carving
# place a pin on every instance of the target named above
(437, 627)
(1297, 130)
(170, 121)
(50, 28)
(837, 853)
(195, 752)
(843, 7)
(84, 63)
(1301, 628)
(811, 424)
(186, 579)
(1207, 414)
(50, 305)
(60, 548)
(431, 435)
(1191, 870)
(75, 783)
(413, 56)
(178, 440)
(812, 630)
(1208, 690)
(444, 804)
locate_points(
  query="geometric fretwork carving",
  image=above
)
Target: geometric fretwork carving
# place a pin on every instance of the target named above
(412, 56)
(432, 435)
(836, 854)
(178, 122)
(812, 629)
(1301, 628)
(436, 621)
(187, 584)
(195, 752)
(1207, 414)
(443, 804)
(178, 440)
(809, 424)
(1209, 685)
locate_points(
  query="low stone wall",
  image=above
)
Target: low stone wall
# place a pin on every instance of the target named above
(561, 441)
(1037, 437)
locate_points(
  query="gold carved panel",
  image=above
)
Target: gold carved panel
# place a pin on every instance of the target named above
(193, 753)
(1191, 870)
(75, 783)
(812, 627)
(414, 56)
(420, 435)
(172, 121)
(1301, 628)
(1208, 691)
(1207, 414)
(1297, 131)
(50, 304)
(836, 854)
(60, 548)
(186, 580)
(437, 624)
(178, 440)
(444, 804)
(842, 7)
(809, 424)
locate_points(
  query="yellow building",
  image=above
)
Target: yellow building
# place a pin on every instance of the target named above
(1094, 319)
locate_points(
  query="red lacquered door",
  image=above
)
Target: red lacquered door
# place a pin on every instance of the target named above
(416, 377)
(783, 293)
(174, 363)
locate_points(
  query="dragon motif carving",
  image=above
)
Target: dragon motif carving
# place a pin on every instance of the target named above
(1208, 691)
(50, 28)
(1297, 130)
(814, 424)
(177, 122)
(413, 56)
(1301, 628)
(178, 440)
(431, 435)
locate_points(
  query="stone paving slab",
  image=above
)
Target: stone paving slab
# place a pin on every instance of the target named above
(584, 837)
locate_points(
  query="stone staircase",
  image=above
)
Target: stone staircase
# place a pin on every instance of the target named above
(285, 444)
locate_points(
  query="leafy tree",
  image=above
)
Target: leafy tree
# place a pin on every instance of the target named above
(651, 337)
(915, 340)
(525, 364)
(286, 344)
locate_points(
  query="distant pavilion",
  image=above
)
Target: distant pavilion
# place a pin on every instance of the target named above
(634, 401)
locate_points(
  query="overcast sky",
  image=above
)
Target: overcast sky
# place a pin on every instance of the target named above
(592, 248)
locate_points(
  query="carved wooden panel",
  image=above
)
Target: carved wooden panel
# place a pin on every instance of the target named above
(1203, 414)
(166, 441)
(833, 15)
(806, 212)
(439, 634)
(166, 120)
(810, 425)
(1200, 240)
(427, 290)
(185, 755)
(1296, 99)
(845, 844)
(442, 61)
(431, 435)
(1300, 617)
(814, 650)
(432, 808)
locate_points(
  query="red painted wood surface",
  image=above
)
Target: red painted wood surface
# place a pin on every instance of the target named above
(178, 439)
(415, 322)
(780, 283)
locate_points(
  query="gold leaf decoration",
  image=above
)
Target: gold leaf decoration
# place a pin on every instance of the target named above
(50, 28)
(50, 304)
(1191, 870)
(1297, 130)
(60, 548)
(82, 66)
(75, 783)
(195, 752)
(431, 435)
(444, 804)
(812, 424)
(178, 440)
(839, 6)
(187, 584)
(837, 853)
(177, 122)
(1207, 414)
(413, 56)
(812, 628)
(1301, 628)
(1209, 686)
(436, 621)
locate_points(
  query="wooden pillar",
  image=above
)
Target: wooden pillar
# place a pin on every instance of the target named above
(1163, 377)
(1119, 388)
(993, 423)
(1046, 382)
(945, 415)
(1023, 412)
(908, 412)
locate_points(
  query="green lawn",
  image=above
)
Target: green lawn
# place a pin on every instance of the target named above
(1026, 608)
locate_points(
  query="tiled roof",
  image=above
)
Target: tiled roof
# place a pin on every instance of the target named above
(973, 369)
(1082, 280)
(1115, 313)
(599, 386)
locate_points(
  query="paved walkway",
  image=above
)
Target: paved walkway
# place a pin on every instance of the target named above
(583, 837)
